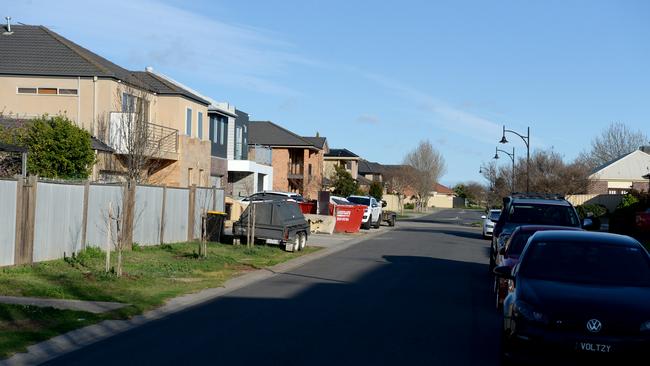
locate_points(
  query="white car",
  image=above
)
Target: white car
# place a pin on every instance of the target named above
(372, 215)
(274, 195)
(489, 221)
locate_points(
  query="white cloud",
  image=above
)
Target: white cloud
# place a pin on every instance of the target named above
(368, 119)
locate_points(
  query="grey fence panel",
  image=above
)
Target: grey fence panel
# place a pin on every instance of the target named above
(176, 209)
(7, 221)
(148, 211)
(99, 197)
(58, 220)
(221, 200)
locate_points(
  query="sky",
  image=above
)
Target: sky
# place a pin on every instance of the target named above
(378, 77)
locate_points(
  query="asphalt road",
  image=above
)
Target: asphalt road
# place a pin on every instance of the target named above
(416, 295)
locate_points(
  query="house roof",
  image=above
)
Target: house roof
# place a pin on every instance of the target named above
(341, 153)
(166, 86)
(630, 166)
(318, 142)
(269, 134)
(368, 167)
(99, 145)
(38, 51)
(439, 188)
(363, 181)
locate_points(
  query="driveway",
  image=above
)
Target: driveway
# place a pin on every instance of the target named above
(418, 294)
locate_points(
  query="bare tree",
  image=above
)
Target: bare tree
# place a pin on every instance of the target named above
(616, 140)
(398, 180)
(429, 165)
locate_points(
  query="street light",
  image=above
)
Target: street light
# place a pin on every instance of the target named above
(526, 140)
(512, 157)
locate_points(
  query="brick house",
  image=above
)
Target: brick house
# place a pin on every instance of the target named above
(622, 174)
(340, 157)
(297, 161)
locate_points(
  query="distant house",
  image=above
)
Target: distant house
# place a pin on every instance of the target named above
(342, 158)
(369, 172)
(297, 160)
(622, 174)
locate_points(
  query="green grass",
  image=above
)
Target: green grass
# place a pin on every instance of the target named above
(151, 276)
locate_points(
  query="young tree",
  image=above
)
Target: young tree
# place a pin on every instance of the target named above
(616, 140)
(398, 180)
(343, 183)
(376, 190)
(429, 165)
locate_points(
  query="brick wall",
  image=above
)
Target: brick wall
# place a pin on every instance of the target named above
(597, 187)
(314, 182)
(280, 162)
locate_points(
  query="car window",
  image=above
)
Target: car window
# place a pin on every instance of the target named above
(359, 200)
(494, 215)
(540, 214)
(582, 262)
(517, 242)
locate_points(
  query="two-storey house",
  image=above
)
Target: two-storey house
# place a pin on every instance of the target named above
(42, 72)
(297, 161)
(341, 158)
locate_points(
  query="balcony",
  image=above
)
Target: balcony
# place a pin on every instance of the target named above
(153, 140)
(295, 170)
(261, 154)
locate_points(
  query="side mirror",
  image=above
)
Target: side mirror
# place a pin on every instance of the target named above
(503, 272)
(588, 224)
(483, 217)
(383, 203)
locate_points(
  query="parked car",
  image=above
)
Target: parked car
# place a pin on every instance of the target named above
(532, 209)
(276, 222)
(509, 254)
(489, 221)
(578, 296)
(274, 195)
(372, 217)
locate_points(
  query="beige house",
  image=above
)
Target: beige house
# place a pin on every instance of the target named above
(343, 158)
(43, 73)
(622, 174)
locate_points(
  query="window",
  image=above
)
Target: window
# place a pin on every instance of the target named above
(51, 91)
(222, 132)
(47, 91)
(348, 165)
(200, 122)
(128, 103)
(188, 122)
(309, 169)
(212, 130)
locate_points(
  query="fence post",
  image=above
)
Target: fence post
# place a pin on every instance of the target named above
(84, 222)
(214, 198)
(190, 212)
(25, 212)
(162, 215)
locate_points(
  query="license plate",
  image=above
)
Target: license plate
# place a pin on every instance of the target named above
(594, 347)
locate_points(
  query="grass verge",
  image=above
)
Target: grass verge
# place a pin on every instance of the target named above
(151, 276)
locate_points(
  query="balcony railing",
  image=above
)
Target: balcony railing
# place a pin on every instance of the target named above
(124, 135)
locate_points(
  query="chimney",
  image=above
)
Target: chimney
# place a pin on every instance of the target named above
(8, 31)
(148, 69)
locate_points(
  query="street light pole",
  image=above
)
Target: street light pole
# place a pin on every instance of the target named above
(512, 157)
(526, 140)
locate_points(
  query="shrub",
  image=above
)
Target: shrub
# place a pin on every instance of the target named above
(597, 210)
(409, 206)
(376, 190)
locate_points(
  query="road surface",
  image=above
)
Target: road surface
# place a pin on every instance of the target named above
(416, 295)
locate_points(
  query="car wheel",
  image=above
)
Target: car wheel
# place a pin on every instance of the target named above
(366, 225)
(378, 224)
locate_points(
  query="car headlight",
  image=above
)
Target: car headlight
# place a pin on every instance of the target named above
(645, 327)
(524, 310)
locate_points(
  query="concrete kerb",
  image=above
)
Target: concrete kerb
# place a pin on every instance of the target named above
(76, 339)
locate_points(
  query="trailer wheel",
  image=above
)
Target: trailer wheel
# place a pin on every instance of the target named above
(296, 242)
(303, 240)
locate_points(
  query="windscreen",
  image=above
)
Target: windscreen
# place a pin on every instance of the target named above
(360, 200)
(587, 262)
(543, 215)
